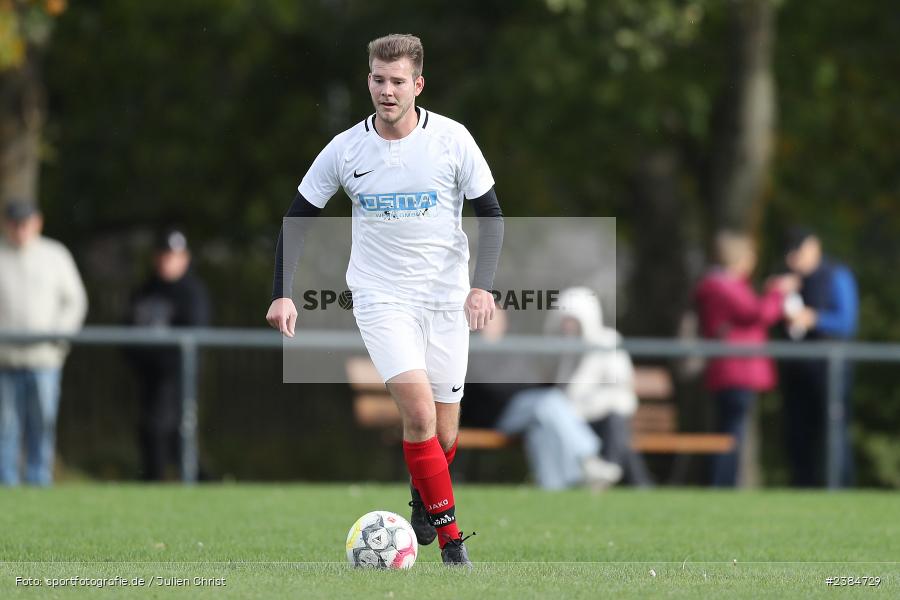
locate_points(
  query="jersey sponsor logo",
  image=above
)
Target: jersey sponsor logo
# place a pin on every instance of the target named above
(405, 202)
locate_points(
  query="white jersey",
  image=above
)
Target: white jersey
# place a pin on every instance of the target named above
(408, 243)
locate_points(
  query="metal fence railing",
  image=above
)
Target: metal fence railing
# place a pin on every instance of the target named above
(190, 340)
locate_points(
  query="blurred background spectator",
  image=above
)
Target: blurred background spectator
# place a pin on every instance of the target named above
(173, 296)
(828, 311)
(561, 449)
(599, 385)
(730, 310)
(40, 291)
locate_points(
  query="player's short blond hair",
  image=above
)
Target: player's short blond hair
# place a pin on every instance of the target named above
(396, 46)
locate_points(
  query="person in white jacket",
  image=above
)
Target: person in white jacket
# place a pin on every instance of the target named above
(40, 291)
(561, 449)
(599, 385)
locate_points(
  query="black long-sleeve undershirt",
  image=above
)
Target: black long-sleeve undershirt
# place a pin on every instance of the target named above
(297, 221)
(490, 238)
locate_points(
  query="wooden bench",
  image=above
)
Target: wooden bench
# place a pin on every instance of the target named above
(655, 424)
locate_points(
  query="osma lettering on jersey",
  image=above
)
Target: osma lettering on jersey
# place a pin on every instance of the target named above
(398, 205)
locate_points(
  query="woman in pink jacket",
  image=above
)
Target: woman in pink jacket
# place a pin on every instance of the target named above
(730, 310)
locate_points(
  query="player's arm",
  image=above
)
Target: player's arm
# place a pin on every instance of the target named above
(282, 313)
(318, 185)
(479, 305)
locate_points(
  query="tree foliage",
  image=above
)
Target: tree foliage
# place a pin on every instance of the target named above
(208, 112)
(24, 24)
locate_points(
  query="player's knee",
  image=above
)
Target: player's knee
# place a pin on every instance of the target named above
(418, 430)
(447, 439)
(419, 420)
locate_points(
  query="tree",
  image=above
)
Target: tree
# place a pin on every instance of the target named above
(25, 27)
(685, 170)
(742, 143)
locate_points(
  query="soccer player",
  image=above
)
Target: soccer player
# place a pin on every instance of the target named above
(407, 172)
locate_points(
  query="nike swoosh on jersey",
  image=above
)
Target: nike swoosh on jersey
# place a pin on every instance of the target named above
(358, 175)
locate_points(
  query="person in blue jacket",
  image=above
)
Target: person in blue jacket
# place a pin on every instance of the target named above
(827, 309)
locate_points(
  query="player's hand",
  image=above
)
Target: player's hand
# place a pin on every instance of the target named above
(479, 308)
(282, 316)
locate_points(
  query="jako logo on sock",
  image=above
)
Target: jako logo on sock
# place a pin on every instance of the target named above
(441, 504)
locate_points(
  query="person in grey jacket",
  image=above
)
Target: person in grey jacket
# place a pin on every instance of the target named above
(40, 291)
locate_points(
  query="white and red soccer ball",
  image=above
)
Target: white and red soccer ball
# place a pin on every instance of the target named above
(382, 540)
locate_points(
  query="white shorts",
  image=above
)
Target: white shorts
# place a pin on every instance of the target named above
(402, 338)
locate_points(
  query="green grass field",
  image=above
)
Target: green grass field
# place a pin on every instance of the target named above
(270, 541)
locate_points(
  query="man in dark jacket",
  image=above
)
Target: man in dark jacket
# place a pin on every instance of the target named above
(172, 297)
(829, 311)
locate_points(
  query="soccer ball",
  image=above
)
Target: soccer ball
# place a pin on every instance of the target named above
(382, 540)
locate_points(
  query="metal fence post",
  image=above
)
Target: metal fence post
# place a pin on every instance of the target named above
(835, 410)
(188, 430)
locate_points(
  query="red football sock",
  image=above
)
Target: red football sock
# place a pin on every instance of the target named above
(451, 453)
(427, 465)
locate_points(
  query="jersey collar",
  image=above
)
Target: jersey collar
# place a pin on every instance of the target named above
(421, 124)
